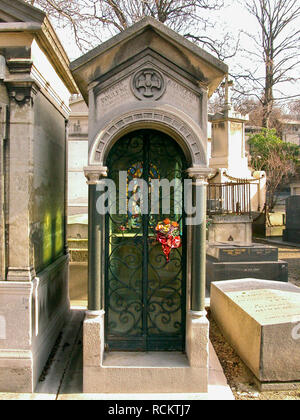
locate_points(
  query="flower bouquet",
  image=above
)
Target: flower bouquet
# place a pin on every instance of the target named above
(168, 235)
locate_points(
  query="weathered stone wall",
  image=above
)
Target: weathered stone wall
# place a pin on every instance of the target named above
(48, 195)
(32, 312)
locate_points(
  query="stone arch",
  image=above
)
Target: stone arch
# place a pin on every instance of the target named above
(187, 135)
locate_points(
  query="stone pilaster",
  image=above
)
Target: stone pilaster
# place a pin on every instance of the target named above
(3, 143)
(95, 175)
(20, 179)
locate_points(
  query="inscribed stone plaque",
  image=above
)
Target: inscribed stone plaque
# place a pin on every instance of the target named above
(114, 95)
(182, 98)
(269, 306)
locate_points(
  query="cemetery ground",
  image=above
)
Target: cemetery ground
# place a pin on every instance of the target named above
(239, 377)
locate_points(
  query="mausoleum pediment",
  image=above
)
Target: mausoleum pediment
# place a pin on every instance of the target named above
(19, 11)
(144, 80)
(148, 36)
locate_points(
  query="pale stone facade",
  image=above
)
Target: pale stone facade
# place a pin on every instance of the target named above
(77, 156)
(35, 87)
(150, 78)
(290, 130)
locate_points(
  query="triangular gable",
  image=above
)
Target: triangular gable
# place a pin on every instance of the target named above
(148, 33)
(19, 11)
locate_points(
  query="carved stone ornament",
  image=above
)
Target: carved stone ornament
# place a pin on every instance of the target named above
(155, 117)
(148, 84)
(94, 174)
(23, 94)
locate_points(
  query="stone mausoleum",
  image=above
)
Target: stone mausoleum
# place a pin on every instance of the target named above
(35, 85)
(146, 328)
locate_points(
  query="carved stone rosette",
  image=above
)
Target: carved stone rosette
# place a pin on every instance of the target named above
(148, 84)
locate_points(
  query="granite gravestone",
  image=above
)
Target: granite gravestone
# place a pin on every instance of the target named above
(292, 230)
(261, 320)
(231, 254)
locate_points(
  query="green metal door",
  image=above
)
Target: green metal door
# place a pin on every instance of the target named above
(145, 293)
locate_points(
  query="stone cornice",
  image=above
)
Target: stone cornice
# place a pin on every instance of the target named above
(19, 65)
(49, 43)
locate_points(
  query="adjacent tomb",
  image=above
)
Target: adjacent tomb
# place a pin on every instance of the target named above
(231, 254)
(35, 85)
(261, 320)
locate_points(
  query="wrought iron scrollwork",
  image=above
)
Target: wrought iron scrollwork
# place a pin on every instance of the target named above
(145, 295)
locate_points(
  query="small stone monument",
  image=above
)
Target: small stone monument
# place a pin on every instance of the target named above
(261, 320)
(231, 254)
(229, 156)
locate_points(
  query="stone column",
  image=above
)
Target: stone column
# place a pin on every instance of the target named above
(198, 272)
(197, 337)
(96, 237)
(93, 326)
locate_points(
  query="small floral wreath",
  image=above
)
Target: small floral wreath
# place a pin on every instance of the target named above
(168, 235)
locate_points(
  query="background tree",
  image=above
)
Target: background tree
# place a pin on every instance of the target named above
(278, 159)
(254, 109)
(92, 20)
(294, 109)
(275, 52)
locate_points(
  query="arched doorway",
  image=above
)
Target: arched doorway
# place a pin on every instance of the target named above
(145, 302)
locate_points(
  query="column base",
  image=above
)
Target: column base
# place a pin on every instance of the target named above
(21, 274)
(144, 372)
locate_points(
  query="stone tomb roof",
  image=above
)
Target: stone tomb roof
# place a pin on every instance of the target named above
(148, 35)
(16, 16)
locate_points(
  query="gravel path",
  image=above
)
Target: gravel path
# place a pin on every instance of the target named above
(239, 377)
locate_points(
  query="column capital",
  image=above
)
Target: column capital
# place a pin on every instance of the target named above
(199, 174)
(94, 174)
(22, 91)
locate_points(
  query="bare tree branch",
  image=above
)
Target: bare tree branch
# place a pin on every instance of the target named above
(277, 45)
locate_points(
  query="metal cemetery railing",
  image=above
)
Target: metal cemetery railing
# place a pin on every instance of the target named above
(229, 198)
